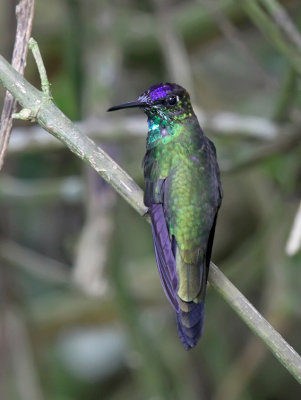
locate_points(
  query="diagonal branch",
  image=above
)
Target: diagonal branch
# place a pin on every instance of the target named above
(55, 122)
(24, 11)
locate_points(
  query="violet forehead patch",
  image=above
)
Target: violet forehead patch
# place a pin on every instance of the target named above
(159, 93)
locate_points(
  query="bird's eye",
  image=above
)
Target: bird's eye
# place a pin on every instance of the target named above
(172, 100)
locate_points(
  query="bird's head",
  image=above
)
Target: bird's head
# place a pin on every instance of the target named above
(164, 102)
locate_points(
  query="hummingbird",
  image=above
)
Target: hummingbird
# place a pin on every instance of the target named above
(183, 194)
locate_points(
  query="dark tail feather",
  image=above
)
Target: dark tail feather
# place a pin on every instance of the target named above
(190, 323)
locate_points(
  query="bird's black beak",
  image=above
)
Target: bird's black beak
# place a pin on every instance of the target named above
(132, 104)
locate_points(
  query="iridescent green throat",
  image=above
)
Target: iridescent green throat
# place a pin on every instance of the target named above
(161, 131)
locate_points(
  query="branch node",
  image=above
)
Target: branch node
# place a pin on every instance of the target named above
(25, 114)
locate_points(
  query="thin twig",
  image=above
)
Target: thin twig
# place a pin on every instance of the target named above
(24, 11)
(55, 122)
(33, 46)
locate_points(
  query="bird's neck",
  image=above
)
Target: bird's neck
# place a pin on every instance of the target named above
(164, 131)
